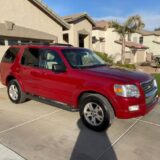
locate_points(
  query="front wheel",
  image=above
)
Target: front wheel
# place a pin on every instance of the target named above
(96, 112)
(15, 94)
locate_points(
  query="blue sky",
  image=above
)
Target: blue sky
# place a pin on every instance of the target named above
(119, 10)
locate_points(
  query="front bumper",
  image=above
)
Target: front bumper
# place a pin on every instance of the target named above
(146, 103)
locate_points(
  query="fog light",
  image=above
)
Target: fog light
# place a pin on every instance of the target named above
(134, 108)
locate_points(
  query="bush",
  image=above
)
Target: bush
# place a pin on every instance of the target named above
(105, 57)
(145, 64)
(129, 66)
(157, 77)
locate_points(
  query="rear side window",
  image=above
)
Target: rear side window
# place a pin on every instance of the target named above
(10, 55)
(31, 57)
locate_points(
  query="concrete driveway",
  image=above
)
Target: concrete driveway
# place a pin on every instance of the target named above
(36, 131)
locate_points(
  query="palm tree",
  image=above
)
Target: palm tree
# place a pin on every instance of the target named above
(131, 25)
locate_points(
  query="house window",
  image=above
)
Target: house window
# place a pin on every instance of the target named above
(94, 39)
(12, 42)
(2, 42)
(141, 40)
(25, 42)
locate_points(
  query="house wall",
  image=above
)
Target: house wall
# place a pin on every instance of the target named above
(3, 49)
(86, 25)
(148, 41)
(99, 46)
(140, 56)
(73, 33)
(24, 13)
(113, 49)
(135, 37)
(153, 47)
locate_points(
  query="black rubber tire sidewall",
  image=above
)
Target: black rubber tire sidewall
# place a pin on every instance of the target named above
(106, 121)
(21, 95)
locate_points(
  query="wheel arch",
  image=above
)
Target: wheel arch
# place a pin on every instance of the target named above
(12, 77)
(93, 92)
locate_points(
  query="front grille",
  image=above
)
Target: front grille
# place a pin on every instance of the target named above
(148, 86)
(150, 92)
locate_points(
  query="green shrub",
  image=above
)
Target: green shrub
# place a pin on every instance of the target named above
(129, 66)
(105, 57)
(157, 77)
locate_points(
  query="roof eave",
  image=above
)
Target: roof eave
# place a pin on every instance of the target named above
(85, 15)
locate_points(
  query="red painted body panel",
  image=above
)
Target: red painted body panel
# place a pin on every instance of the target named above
(67, 87)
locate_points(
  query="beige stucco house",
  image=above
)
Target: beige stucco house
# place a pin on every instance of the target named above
(80, 33)
(150, 39)
(26, 21)
(106, 40)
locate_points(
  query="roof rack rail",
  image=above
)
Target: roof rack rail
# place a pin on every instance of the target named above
(62, 44)
(46, 44)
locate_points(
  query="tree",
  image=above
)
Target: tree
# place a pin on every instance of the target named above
(157, 29)
(131, 25)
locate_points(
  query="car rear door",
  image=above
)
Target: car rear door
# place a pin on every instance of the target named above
(30, 72)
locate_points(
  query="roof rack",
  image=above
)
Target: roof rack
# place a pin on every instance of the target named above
(48, 44)
(62, 44)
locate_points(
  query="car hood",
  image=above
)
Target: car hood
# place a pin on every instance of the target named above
(120, 74)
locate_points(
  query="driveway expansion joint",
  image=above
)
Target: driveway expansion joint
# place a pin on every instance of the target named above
(28, 122)
(151, 123)
(119, 138)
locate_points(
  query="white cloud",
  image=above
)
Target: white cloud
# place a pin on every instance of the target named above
(151, 20)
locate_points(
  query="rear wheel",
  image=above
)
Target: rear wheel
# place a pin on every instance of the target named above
(15, 94)
(96, 112)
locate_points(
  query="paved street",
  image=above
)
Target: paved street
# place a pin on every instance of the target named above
(37, 131)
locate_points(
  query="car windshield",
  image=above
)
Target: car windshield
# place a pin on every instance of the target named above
(82, 58)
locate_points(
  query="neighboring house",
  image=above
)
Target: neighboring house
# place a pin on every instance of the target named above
(26, 21)
(80, 33)
(106, 40)
(150, 39)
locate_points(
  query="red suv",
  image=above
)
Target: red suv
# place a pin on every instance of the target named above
(77, 78)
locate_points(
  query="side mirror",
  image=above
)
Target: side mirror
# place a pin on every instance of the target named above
(58, 68)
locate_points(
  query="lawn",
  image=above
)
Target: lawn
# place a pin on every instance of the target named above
(157, 77)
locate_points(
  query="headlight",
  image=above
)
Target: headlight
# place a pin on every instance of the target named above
(155, 83)
(126, 90)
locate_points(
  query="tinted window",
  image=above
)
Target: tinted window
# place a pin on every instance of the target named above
(10, 55)
(31, 57)
(2, 42)
(49, 58)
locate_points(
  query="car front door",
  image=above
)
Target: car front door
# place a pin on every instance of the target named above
(56, 86)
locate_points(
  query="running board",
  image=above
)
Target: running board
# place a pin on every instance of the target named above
(52, 103)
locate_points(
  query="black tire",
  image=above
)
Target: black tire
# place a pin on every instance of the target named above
(102, 109)
(16, 96)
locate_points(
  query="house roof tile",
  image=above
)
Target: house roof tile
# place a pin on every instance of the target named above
(135, 45)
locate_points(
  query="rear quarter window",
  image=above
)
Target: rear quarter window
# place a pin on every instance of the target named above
(10, 55)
